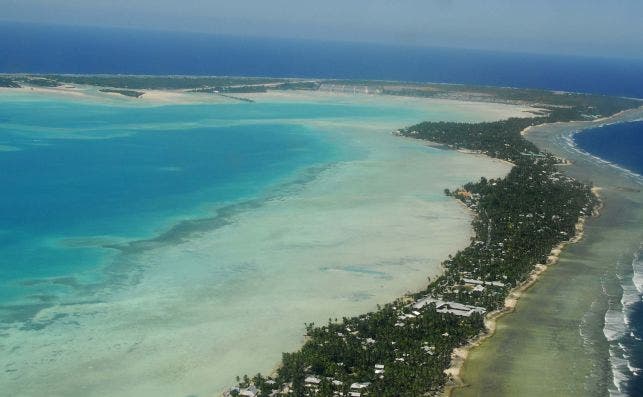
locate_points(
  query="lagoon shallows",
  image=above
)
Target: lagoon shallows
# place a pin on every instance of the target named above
(150, 248)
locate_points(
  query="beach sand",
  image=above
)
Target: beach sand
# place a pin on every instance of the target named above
(554, 343)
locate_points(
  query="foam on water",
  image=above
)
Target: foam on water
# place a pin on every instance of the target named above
(615, 324)
(624, 345)
(637, 272)
(620, 375)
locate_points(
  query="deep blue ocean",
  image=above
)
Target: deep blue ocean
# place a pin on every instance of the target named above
(57, 49)
(622, 144)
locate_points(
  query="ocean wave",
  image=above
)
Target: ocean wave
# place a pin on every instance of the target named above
(631, 294)
(622, 369)
(633, 370)
(617, 330)
(637, 271)
(615, 325)
(620, 374)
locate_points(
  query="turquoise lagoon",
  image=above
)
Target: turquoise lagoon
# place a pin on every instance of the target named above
(82, 176)
(162, 249)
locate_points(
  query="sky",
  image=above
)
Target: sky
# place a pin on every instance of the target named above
(612, 28)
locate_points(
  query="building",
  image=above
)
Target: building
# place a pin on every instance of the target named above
(470, 281)
(358, 389)
(312, 383)
(249, 392)
(312, 380)
(455, 308)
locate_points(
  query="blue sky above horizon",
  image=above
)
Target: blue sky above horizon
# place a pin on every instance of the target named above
(575, 27)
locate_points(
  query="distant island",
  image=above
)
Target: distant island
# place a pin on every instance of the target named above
(406, 347)
(569, 106)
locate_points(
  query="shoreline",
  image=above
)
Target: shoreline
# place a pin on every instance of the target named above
(461, 354)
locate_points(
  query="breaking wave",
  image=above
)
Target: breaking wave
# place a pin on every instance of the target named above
(623, 322)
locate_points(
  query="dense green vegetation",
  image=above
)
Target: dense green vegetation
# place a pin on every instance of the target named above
(289, 85)
(500, 139)
(299, 85)
(130, 93)
(520, 219)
